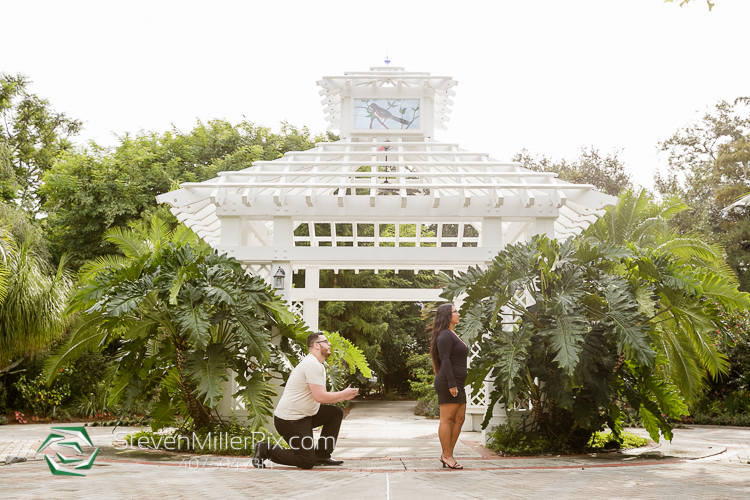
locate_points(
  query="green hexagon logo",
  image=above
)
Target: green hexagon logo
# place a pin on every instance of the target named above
(64, 466)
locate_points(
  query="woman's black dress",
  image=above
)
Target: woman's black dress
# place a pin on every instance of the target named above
(453, 354)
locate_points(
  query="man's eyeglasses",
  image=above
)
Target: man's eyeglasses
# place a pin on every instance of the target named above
(323, 342)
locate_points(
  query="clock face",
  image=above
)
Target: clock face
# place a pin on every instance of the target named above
(386, 114)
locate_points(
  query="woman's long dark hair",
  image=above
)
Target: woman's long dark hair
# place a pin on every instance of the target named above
(442, 321)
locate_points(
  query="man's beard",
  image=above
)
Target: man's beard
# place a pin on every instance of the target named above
(325, 354)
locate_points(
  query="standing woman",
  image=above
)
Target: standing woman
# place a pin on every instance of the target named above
(449, 354)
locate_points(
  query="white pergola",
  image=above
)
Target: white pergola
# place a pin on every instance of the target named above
(387, 196)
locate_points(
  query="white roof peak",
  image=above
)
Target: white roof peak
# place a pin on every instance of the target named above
(405, 92)
(388, 68)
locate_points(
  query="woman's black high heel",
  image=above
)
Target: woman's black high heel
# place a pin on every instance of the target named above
(446, 464)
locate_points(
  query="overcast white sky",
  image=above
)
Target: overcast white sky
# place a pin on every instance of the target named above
(551, 76)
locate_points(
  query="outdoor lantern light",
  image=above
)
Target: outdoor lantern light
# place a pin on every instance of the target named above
(278, 279)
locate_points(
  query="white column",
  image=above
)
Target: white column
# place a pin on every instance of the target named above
(546, 225)
(311, 303)
(231, 236)
(231, 231)
(492, 233)
(492, 240)
(283, 241)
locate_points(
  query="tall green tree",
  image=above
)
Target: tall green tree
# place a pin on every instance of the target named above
(24, 230)
(32, 137)
(34, 297)
(180, 317)
(96, 189)
(607, 173)
(707, 165)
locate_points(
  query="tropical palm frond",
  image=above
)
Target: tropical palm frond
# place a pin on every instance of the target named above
(511, 352)
(281, 312)
(163, 411)
(158, 232)
(725, 291)
(472, 320)
(257, 396)
(565, 336)
(624, 318)
(699, 253)
(711, 358)
(182, 235)
(84, 335)
(344, 352)
(681, 364)
(7, 245)
(207, 370)
(648, 231)
(666, 395)
(461, 282)
(127, 241)
(100, 264)
(671, 207)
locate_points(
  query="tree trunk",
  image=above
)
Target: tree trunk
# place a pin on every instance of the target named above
(619, 362)
(200, 413)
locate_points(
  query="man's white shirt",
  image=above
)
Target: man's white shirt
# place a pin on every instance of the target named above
(297, 401)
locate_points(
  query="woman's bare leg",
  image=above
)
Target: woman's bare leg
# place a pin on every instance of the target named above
(458, 422)
(448, 414)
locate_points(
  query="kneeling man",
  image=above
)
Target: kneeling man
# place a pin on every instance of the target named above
(300, 411)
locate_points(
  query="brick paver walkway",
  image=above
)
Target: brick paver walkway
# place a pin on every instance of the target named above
(390, 454)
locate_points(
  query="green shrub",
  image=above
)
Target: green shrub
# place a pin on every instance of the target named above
(392, 395)
(91, 372)
(39, 398)
(511, 441)
(422, 388)
(631, 418)
(93, 402)
(604, 440)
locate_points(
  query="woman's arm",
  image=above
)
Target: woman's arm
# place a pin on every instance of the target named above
(445, 348)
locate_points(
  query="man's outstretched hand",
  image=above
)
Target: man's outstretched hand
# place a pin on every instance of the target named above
(349, 393)
(321, 395)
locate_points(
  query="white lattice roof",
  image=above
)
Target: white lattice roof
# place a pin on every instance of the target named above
(417, 182)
